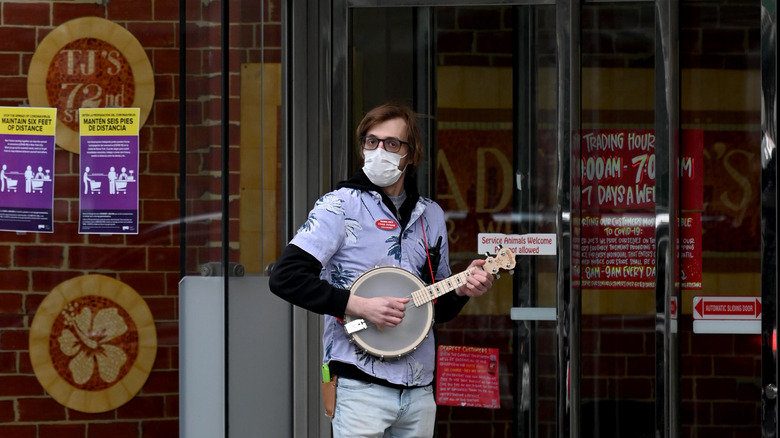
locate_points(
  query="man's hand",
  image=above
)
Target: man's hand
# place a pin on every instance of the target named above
(382, 311)
(478, 282)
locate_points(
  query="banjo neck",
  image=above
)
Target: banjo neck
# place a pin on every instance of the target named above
(505, 259)
(430, 293)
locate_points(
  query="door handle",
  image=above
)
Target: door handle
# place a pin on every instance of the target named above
(770, 391)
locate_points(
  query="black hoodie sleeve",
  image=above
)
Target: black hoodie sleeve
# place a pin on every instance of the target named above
(448, 306)
(296, 278)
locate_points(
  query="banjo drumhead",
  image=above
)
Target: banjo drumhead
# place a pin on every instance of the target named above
(406, 336)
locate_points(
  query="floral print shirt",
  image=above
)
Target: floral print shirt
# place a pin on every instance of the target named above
(352, 231)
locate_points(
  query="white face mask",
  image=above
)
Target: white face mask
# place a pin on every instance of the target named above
(381, 167)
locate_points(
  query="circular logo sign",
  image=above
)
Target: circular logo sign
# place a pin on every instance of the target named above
(92, 343)
(89, 63)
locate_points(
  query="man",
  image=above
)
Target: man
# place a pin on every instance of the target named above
(376, 218)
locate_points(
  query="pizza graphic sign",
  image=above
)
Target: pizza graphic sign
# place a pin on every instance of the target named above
(89, 62)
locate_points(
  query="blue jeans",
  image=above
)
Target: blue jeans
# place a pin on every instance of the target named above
(369, 410)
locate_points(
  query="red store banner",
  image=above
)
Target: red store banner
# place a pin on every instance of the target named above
(617, 246)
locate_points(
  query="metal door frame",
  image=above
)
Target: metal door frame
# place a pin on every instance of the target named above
(315, 102)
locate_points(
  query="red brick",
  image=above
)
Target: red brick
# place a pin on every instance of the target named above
(622, 343)
(124, 10)
(67, 187)
(13, 431)
(40, 409)
(7, 414)
(62, 430)
(63, 233)
(16, 39)
(13, 87)
(152, 34)
(39, 256)
(161, 428)
(5, 256)
(166, 113)
(167, 333)
(143, 407)
(10, 303)
(161, 382)
(74, 416)
(163, 259)
(166, 11)
(162, 308)
(159, 211)
(7, 362)
(19, 386)
(48, 280)
(158, 186)
(11, 340)
(172, 406)
(736, 413)
(145, 283)
(109, 258)
(63, 12)
(164, 162)
(166, 139)
(28, 14)
(162, 361)
(114, 429)
(25, 366)
(635, 389)
(11, 321)
(735, 366)
(716, 388)
(10, 64)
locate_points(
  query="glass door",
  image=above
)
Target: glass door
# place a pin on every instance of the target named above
(483, 79)
(497, 94)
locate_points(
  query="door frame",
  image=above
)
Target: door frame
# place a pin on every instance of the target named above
(316, 76)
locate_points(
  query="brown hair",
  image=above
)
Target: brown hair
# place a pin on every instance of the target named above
(389, 111)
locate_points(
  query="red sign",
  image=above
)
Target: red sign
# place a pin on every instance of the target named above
(618, 251)
(467, 376)
(386, 224)
(618, 169)
(726, 308)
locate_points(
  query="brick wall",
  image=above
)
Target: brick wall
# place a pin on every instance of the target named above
(33, 264)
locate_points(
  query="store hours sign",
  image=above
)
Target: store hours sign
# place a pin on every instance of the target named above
(89, 63)
(617, 225)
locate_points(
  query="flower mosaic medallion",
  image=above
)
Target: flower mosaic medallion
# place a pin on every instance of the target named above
(93, 343)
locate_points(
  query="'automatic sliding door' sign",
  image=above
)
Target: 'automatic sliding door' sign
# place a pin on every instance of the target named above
(717, 314)
(108, 170)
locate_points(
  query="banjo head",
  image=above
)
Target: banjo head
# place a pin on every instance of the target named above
(387, 342)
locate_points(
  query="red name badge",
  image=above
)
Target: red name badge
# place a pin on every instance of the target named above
(386, 224)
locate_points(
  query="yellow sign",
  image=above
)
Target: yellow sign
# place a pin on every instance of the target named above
(108, 121)
(89, 62)
(26, 120)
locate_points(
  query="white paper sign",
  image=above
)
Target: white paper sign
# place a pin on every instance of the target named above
(520, 244)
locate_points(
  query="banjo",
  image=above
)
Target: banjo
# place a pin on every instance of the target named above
(394, 342)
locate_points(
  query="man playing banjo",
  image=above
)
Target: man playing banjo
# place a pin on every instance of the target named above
(377, 218)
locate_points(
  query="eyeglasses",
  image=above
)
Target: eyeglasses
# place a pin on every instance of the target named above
(391, 144)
